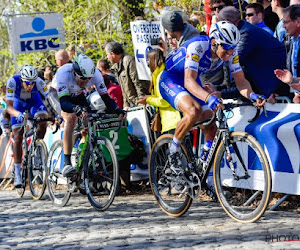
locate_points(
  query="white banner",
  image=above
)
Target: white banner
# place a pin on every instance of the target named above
(142, 32)
(38, 33)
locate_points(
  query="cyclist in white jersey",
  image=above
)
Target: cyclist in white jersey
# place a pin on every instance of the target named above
(73, 79)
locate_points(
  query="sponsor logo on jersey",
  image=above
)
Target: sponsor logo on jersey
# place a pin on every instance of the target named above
(177, 56)
(61, 88)
(45, 88)
(235, 59)
(11, 84)
(195, 58)
(199, 49)
(10, 91)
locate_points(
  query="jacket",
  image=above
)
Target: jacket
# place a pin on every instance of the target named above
(127, 75)
(169, 116)
(260, 54)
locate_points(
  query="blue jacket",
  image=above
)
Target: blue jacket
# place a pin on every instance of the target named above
(260, 54)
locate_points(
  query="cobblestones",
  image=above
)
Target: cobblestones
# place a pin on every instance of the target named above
(136, 222)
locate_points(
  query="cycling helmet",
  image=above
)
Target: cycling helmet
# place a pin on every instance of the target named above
(84, 66)
(225, 33)
(96, 102)
(28, 73)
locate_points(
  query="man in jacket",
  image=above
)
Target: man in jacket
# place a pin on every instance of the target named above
(125, 69)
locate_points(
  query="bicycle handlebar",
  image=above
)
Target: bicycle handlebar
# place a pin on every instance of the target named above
(229, 107)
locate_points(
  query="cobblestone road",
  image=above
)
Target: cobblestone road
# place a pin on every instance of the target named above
(136, 222)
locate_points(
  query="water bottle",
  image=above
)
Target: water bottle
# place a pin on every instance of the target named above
(205, 151)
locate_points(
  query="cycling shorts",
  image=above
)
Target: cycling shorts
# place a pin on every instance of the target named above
(34, 106)
(172, 90)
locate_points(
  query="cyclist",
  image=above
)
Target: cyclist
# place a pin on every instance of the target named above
(181, 87)
(73, 79)
(23, 93)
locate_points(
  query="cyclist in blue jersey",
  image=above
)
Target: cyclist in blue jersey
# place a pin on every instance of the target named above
(23, 93)
(73, 80)
(181, 87)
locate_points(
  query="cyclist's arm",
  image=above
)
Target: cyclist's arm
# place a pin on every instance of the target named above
(242, 84)
(10, 108)
(191, 85)
(42, 87)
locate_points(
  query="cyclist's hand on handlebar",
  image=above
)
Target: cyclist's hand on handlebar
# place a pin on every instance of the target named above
(58, 119)
(20, 117)
(214, 102)
(259, 99)
(78, 110)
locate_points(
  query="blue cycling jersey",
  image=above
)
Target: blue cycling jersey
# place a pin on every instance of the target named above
(194, 55)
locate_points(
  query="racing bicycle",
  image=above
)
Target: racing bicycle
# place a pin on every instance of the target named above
(96, 162)
(34, 160)
(241, 172)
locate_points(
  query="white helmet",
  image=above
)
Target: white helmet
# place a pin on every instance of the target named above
(225, 33)
(97, 102)
(28, 73)
(84, 66)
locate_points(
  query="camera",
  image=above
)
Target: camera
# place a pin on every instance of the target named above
(155, 41)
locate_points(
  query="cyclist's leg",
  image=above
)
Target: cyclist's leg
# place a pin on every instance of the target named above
(38, 109)
(17, 146)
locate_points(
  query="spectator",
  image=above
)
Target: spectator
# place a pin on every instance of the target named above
(173, 44)
(103, 66)
(287, 77)
(291, 17)
(5, 122)
(114, 91)
(259, 55)
(48, 76)
(270, 18)
(125, 69)
(62, 57)
(200, 17)
(216, 6)
(277, 7)
(72, 51)
(169, 116)
(255, 15)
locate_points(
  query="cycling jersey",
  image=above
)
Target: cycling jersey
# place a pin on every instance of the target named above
(24, 100)
(71, 94)
(67, 86)
(194, 55)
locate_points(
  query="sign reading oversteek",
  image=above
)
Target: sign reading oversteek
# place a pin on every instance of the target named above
(142, 32)
(38, 33)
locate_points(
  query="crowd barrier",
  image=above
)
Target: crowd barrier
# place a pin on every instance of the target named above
(278, 133)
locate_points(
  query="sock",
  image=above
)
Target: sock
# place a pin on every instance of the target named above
(67, 159)
(175, 146)
(17, 168)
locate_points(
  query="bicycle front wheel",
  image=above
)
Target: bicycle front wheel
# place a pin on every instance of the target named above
(101, 174)
(57, 184)
(37, 165)
(171, 200)
(244, 189)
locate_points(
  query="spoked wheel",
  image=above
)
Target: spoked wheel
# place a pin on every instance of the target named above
(20, 191)
(57, 184)
(37, 166)
(245, 196)
(169, 195)
(101, 174)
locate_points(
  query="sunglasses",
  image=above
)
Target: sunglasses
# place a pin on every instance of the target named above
(217, 7)
(29, 82)
(83, 78)
(228, 47)
(249, 14)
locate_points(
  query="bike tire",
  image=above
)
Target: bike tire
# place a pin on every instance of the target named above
(37, 175)
(246, 198)
(102, 179)
(57, 184)
(165, 194)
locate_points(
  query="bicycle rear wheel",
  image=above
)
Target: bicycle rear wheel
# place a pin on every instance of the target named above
(170, 200)
(244, 197)
(101, 177)
(57, 184)
(37, 168)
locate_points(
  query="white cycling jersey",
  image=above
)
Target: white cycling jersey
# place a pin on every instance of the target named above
(67, 86)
